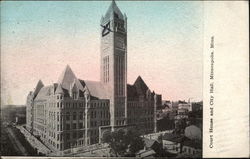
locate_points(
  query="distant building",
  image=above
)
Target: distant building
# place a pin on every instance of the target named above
(182, 114)
(191, 147)
(74, 112)
(172, 143)
(197, 106)
(151, 147)
(145, 153)
(178, 144)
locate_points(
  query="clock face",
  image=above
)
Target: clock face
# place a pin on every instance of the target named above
(106, 29)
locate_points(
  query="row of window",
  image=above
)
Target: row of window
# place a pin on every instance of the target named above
(68, 136)
(119, 70)
(119, 114)
(100, 104)
(137, 104)
(75, 135)
(120, 122)
(142, 120)
(74, 126)
(102, 123)
(189, 150)
(74, 144)
(67, 145)
(141, 112)
(101, 114)
(74, 115)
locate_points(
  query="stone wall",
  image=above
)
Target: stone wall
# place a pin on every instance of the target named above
(34, 141)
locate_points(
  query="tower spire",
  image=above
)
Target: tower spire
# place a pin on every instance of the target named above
(113, 9)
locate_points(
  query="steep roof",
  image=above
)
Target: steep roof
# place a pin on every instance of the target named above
(140, 86)
(96, 89)
(113, 10)
(67, 78)
(59, 89)
(44, 93)
(38, 87)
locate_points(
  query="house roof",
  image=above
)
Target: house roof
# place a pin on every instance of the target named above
(192, 143)
(172, 137)
(146, 153)
(149, 142)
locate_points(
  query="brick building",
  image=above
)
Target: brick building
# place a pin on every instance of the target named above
(75, 112)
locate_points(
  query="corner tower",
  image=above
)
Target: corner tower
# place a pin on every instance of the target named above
(114, 62)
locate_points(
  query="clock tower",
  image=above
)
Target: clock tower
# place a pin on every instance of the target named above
(114, 63)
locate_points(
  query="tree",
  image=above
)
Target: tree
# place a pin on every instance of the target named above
(124, 143)
(134, 141)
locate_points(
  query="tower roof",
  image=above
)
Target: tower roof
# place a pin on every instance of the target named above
(113, 10)
(140, 86)
(67, 78)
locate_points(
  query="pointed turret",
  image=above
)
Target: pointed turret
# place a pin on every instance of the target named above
(38, 88)
(113, 11)
(74, 87)
(59, 89)
(67, 78)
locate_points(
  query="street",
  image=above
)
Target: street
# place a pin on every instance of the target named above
(15, 142)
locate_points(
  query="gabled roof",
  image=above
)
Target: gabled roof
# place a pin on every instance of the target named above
(113, 10)
(59, 89)
(67, 78)
(140, 86)
(149, 142)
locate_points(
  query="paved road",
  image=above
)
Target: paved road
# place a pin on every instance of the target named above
(15, 142)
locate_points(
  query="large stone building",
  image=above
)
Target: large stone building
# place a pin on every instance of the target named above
(75, 112)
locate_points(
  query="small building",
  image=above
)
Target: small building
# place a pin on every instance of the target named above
(145, 153)
(191, 147)
(172, 143)
(182, 114)
(151, 147)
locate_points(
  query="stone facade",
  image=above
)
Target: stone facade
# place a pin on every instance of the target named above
(74, 113)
